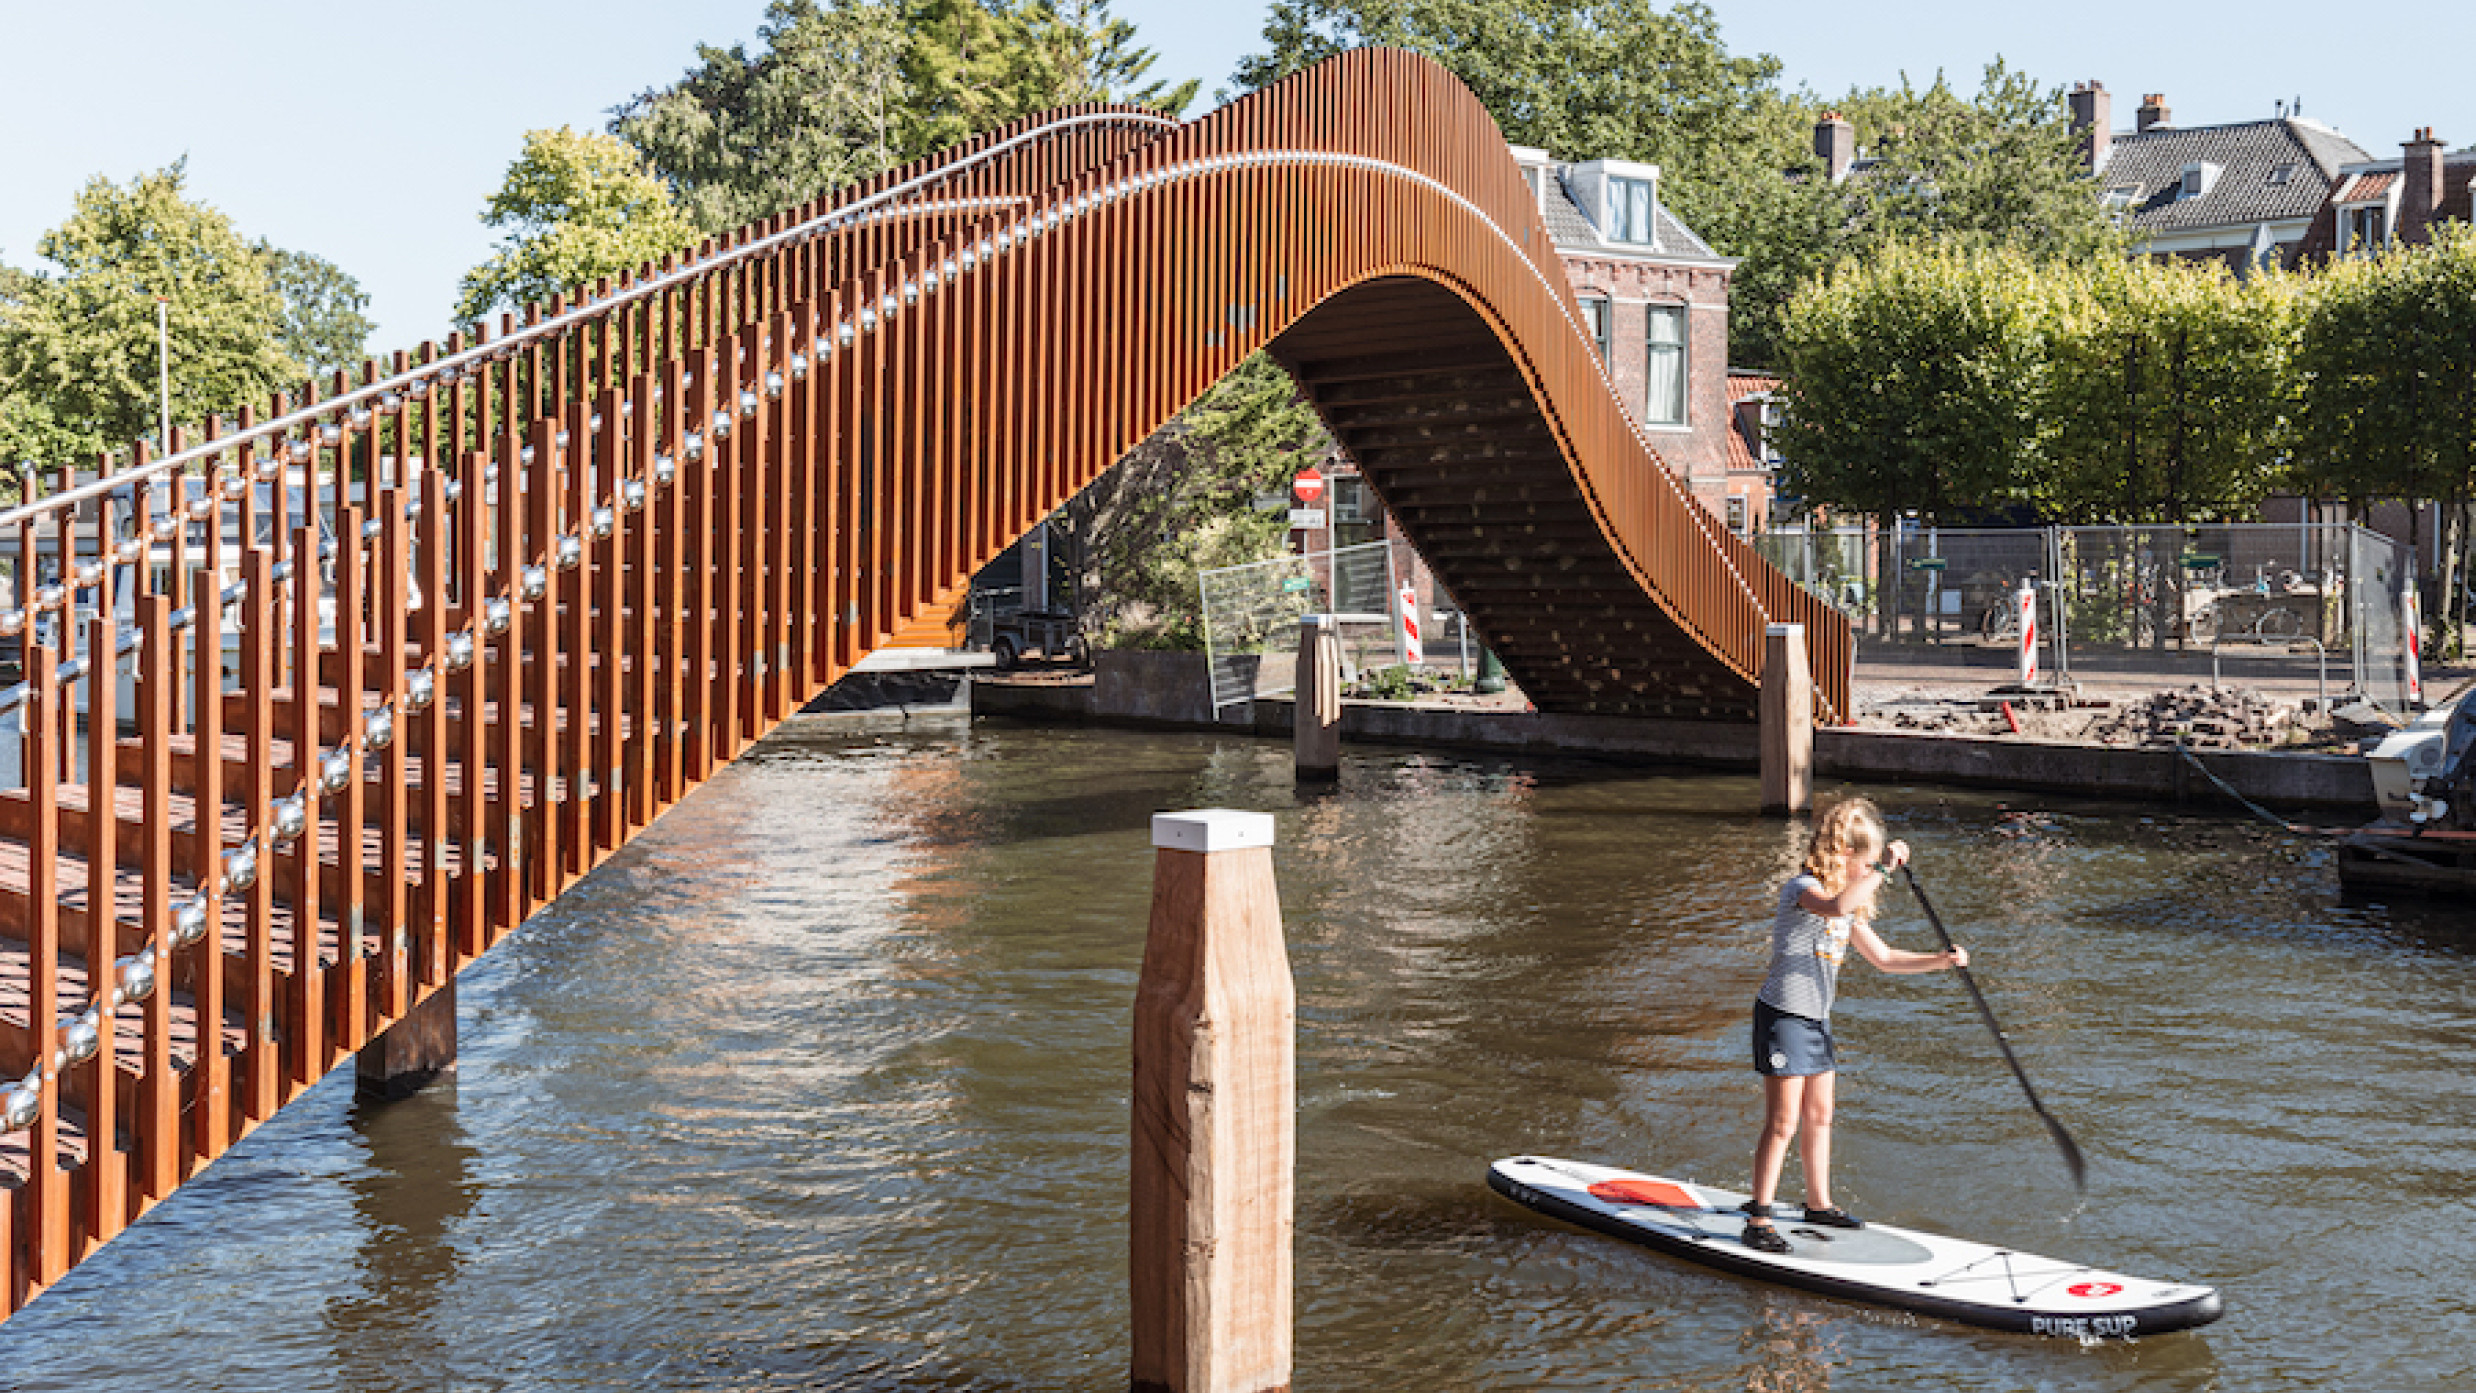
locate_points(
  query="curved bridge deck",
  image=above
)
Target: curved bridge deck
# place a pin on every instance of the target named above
(324, 703)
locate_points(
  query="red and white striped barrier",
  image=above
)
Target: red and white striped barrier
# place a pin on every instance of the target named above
(2411, 639)
(2028, 633)
(1408, 600)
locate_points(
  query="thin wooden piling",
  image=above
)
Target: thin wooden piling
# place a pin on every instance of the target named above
(1215, 1115)
(1315, 729)
(1787, 721)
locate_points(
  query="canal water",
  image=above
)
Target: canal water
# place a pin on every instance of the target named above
(823, 1084)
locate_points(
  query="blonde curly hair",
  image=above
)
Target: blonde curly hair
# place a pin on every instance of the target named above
(1851, 824)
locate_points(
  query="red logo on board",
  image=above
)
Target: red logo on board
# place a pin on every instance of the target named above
(1309, 484)
(2091, 1291)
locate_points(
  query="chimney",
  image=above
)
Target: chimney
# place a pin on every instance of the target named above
(2092, 116)
(2420, 187)
(1835, 144)
(2153, 112)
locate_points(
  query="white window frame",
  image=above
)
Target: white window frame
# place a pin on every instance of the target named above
(1682, 349)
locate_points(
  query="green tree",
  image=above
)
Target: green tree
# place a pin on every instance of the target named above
(741, 136)
(2169, 388)
(842, 89)
(2387, 359)
(574, 208)
(78, 349)
(2000, 169)
(1915, 382)
(323, 326)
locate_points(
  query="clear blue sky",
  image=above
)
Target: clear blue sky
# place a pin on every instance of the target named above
(371, 134)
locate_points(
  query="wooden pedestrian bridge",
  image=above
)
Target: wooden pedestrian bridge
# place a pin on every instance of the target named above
(323, 700)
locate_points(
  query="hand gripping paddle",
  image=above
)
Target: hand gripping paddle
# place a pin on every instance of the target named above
(2063, 1139)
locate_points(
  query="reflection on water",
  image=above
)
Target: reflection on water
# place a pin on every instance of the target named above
(822, 1084)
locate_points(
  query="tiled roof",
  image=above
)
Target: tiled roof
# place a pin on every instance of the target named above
(2247, 154)
(2367, 188)
(1741, 451)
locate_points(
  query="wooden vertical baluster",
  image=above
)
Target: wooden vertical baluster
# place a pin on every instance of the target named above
(262, 640)
(387, 994)
(538, 659)
(346, 1025)
(608, 644)
(210, 1078)
(47, 1183)
(696, 477)
(734, 461)
(158, 1120)
(422, 735)
(774, 540)
(304, 1017)
(106, 1174)
(477, 820)
(644, 735)
(575, 588)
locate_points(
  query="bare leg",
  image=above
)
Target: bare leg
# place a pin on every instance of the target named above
(1783, 1101)
(1816, 1139)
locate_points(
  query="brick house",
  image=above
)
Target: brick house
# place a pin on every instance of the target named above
(1655, 295)
(2242, 192)
(2376, 203)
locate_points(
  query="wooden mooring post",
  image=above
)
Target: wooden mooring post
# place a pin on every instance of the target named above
(409, 1054)
(1315, 728)
(1787, 721)
(1215, 1115)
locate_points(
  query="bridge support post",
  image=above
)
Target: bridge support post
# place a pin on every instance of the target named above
(1787, 721)
(412, 1052)
(1215, 1115)
(1315, 728)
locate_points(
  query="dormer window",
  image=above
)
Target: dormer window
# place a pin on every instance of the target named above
(2363, 228)
(1632, 215)
(2282, 174)
(2121, 197)
(2198, 177)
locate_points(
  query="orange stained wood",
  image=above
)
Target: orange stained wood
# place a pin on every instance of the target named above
(415, 647)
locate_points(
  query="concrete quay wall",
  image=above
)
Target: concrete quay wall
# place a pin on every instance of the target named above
(1167, 690)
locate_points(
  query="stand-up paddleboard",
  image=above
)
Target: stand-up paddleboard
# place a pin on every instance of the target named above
(1923, 1272)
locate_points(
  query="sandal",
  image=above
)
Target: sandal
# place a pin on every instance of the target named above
(1759, 1234)
(1833, 1217)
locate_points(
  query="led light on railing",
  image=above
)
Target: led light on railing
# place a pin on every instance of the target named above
(378, 729)
(391, 401)
(843, 333)
(911, 292)
(420, 689)
(687, 381)
(264, 466)
(331, 433)
(460, 648)
(722, 425)
(665, 469)
(605, 520)
(51, 597)
(773, 388)
(594, 422)
(448, 375)
(524, 455)
(969, 258)
(535, 581)
(12, 622)
(162, 526)
(189, 925)
(360, 416)
(89, 574)
(22, 1106)
(1005, 239)
(868, 321)
(85, 1037)
(950, 268)
(569, 552)
(241, 868)
(298, 449)
(632, 491)
(135, 975)
(889, 306)
(748, 400)
(559, 439)
(694, 445)
(928, 281)
(129, 550)
(497, 615)
(234, 488)
(799, 367)
(419, 387)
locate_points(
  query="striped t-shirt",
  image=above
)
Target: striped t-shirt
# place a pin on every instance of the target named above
(1806, 950)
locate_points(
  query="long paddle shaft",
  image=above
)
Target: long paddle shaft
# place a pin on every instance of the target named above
(2063, 1139)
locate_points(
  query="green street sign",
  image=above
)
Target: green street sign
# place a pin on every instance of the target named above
(1295, 584)
(1926, 563)
(2198, 561)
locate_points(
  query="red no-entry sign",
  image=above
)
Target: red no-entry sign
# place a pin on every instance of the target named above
(1309, 485)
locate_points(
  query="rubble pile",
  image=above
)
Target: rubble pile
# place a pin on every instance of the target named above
(2202, 718)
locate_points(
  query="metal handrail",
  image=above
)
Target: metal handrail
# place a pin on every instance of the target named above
(591, 308)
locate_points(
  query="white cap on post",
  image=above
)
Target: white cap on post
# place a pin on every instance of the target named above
(1211, 829)
(1782, 630)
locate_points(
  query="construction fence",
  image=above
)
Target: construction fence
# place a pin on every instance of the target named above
(1251, 615)
(2324, 597)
